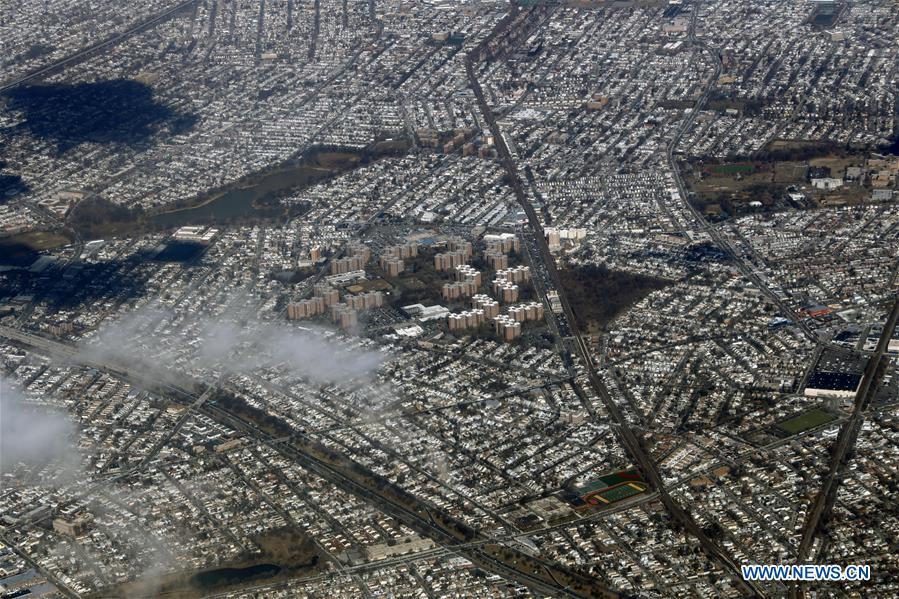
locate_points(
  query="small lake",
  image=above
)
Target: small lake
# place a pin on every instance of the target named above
(230, 576)
(245, 202)
(255, 198)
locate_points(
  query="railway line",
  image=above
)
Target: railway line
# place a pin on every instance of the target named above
(536, 573)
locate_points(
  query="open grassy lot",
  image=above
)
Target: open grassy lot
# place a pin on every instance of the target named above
(369, 285)
(36, 240)
(789, 172)
(729, 188)
(23, 249)
(805, 421)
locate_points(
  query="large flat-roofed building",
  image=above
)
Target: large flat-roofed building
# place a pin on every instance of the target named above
(833, 384)
(426, 313)
(72, 526)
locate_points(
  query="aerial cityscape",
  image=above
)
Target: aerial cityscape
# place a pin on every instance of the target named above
(435, 299)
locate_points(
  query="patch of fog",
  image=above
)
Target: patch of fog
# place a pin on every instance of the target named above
(36, 437)
(235, 341)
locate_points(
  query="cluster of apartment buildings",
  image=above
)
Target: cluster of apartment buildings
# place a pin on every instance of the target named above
(327, 299)
(392, 258)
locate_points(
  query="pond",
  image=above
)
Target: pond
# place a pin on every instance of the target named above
(246, 202)
(231, 576)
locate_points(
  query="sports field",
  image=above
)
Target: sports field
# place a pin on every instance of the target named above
(803, 422)
(731, 169)
(616, 493)
(622, 492)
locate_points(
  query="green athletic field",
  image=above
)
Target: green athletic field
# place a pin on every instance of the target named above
(803, 422)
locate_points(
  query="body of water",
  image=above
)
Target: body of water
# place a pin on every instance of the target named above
(230, 576)
(246, 202)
